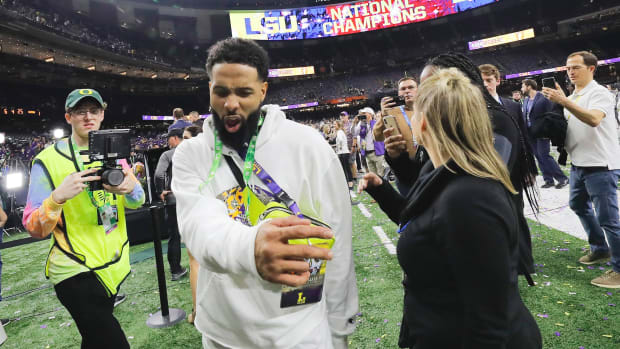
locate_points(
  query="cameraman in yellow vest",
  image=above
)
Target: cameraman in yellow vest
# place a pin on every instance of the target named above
(89, 249)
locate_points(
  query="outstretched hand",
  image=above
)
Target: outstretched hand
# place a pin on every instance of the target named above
(369, 180)
(279, 262)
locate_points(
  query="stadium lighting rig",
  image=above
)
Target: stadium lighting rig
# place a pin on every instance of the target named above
(58, 133)
(49, 59)
(14, 180)
(2, 138)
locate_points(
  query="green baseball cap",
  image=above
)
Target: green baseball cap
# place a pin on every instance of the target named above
(77, 95)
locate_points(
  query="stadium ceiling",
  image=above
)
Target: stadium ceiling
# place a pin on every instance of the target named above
(239, 4)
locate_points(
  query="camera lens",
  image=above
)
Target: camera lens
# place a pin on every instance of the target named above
(113, 177)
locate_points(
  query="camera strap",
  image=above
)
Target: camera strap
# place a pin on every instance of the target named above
(79, 164)
(402, 110)
(107, 214)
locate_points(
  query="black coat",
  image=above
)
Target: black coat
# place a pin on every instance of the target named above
(458, 249)
(507, 138)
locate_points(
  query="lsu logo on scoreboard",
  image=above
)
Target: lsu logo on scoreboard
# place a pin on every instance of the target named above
(257, 25)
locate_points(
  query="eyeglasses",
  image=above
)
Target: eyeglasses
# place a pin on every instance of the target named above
(82, 112)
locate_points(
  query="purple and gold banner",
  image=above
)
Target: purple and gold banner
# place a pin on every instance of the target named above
(342, 19)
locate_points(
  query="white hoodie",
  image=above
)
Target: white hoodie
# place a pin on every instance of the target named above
(235, 306)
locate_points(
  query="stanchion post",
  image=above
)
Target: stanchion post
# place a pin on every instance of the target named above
(165, 317)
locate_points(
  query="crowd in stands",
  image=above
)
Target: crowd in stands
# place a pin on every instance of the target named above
(79, 29)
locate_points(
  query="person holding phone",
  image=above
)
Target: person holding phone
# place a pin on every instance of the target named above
(535, 107)
(407, 90)
(592, 143)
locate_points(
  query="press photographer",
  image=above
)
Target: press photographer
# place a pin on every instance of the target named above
(81, 200)
(405, 97)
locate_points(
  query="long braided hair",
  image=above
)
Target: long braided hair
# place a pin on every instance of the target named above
(525, 161)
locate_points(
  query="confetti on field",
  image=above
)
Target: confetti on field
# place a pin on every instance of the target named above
(558, 334)
(43, 326)
(543, 315)
(607, 335)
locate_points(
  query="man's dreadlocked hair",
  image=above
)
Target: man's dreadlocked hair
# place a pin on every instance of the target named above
(526, 162)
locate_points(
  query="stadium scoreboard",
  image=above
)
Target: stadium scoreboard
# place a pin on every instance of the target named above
(18, 111)
(502, 39)
(341, 19)
(294, 71)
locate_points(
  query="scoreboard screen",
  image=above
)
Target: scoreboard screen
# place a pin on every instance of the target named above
(295, 71)
(19, 111)
(502, 39)
(342, 19)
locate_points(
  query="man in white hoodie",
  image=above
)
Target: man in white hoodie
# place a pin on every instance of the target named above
(243, 267)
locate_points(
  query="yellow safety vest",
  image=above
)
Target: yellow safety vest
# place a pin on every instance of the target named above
(79, 236)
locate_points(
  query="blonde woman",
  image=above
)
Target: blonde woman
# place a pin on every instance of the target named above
(459, 228)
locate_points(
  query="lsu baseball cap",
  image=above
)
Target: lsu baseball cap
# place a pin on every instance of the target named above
(77, 95)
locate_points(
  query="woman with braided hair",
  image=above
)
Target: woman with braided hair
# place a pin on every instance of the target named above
(509, 141)
(459, 248)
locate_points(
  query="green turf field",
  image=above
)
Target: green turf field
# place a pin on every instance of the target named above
(570, 312)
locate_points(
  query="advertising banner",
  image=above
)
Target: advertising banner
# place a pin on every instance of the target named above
(342, 19)
(502, 39)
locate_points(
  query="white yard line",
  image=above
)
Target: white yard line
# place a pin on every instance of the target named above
(364, 210)
(385, 240)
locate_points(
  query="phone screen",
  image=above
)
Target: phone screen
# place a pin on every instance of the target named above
(548, 82)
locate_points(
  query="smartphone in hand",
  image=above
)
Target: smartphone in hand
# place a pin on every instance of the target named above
(390, 122)
(549, 82)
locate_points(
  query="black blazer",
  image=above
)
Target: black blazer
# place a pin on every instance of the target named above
(512, 107)
(459, 249)
(541, 106)
(505, 131)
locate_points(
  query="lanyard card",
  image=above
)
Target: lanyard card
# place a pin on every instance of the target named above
(311, 291)
(108, 215)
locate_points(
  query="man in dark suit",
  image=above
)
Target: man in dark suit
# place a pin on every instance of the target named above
(491, 78)
(535, 106)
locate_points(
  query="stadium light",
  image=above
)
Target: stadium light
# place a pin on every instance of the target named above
(123, 73)
(14, 180)
(49, 59)
(92, 67)
(58, 133)
(2, 139)
(153, 76)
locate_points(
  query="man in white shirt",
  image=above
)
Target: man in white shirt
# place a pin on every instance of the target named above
(592, 143)
(240, 300)
(370, 148)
